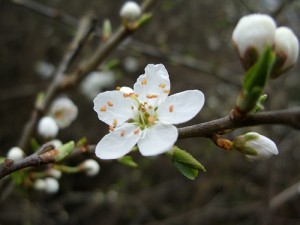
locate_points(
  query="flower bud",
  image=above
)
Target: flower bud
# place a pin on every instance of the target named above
(130, 11)
(251, 36)
(52, 185)
(47, 127)
(54, 173)
(15, 153)
(286, 49)
(255, 146)
(91, 167)
(64, 111)
(39, 184)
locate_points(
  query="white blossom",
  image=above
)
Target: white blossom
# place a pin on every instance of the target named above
(64, 111)
(47, 127)
(255, 146)
(254, 31)
(286, 46)
(56, 143)
(39, 184)
(95, 82)
(91, 167)
(130, 11)
(144, 116)
(54, 173)
(44, 69)
(15, 153)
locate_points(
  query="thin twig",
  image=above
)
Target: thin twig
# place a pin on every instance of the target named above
(84, 30)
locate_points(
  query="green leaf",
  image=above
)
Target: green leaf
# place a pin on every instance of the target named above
(81, 142)
(186, 171)
(64, 151)
(255, 81)
(128, 161)
(185, 158)
(34, 144)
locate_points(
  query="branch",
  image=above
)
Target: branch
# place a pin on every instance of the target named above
(44, 155)
(287, 117)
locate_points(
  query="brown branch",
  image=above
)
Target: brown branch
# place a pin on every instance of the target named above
(287, 117)
(43, 156)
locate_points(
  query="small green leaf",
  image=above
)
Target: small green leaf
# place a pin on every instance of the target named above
(81, 142)
(106, 29)
(186, 171)
(64, 151)
(183, 157)
(34, 144)
(128, 161)
(145, 18)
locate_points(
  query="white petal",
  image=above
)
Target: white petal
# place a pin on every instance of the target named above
(180, 107)
(119, 142)
(155, 82)
(112, 107)
(158, 139)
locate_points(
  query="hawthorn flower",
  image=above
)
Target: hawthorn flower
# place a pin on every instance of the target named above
(63, 111)
(144, 115)
(251, 35)
(255, 146)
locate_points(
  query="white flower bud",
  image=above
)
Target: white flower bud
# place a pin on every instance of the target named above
(47, 127)
(54, 173)
(15, 153)
(130, 11)
(39, 184)
(253, 32)
(91, 167)
(64, 111)
(44, 69)
(255, 146)
(286, 47)
(95, 82)
(126, 90)
(52, 185)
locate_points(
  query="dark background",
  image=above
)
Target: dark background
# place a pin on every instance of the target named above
(192, 39)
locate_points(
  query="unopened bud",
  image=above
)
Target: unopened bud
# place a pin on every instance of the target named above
(252, 35)
(130, 11)
(47, 127)
(91, 167)
(52, 185)
(286, 49)
(15, 153)
(255, 146)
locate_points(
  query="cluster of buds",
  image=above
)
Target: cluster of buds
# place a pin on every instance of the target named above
(255, 146)
(255, 32)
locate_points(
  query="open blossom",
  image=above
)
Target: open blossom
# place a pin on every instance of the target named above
(144, 115)
(63, 111)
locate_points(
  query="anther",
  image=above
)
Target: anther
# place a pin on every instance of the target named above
(111, 128)
(122, 133)
(118, 88)
(151, 96)
(109, 103)
(162, 85)
(171, 108)
(144, 82)
(137, 131)
(103, 109)
(167, 91)
(115, 122)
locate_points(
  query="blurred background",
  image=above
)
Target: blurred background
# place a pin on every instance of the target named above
(193, 40)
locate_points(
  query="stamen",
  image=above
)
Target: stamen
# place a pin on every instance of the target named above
(171, 108)
(111, 128)
(137, 131)
(115, 122)
(103, 109)
(150, 107)
(167, 91)
(109, 103)
(126, 95)
(122, 133)
(151, 96)
(118, 88)
(162, 85)
(144, 82)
